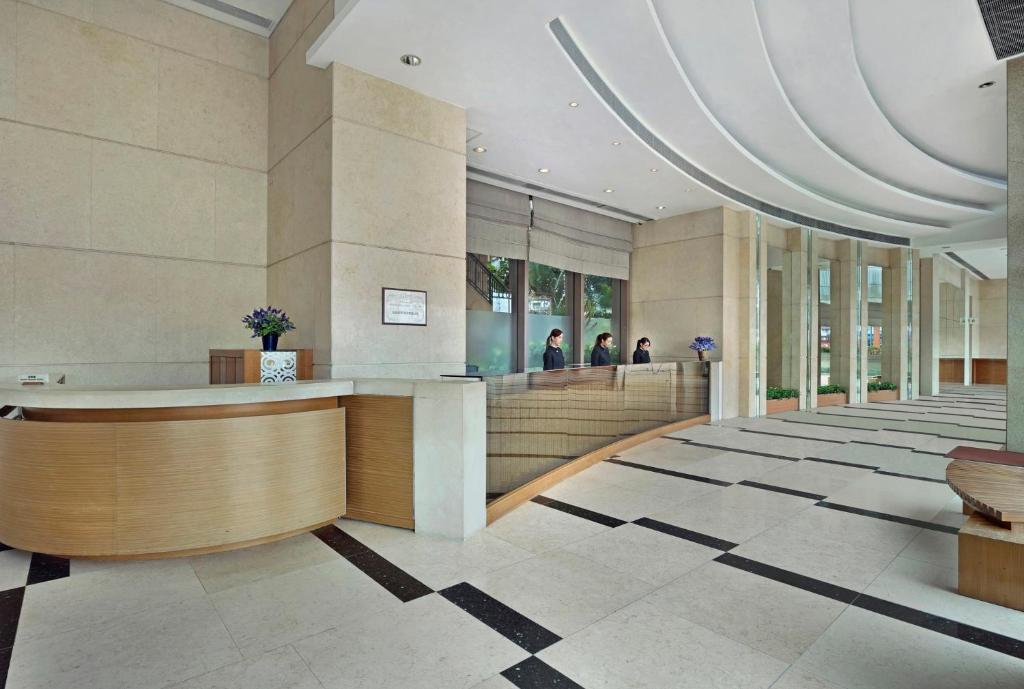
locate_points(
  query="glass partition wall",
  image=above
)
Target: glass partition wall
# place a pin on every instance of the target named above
(490, 314)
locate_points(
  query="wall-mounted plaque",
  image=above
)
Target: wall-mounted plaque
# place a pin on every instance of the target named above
(404, 307)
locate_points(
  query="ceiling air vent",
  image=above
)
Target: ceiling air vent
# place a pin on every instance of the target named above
(237, 12)
(1004, 21)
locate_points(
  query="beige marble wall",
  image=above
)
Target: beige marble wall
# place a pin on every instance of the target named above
(398, 220)
(133, 138)
(991, 314)
(1015, 254)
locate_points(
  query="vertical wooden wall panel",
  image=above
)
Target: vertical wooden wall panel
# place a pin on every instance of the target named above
(380, 459)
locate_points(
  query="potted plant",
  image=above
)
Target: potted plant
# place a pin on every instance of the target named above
(782, 399)
(269, 324)
(883, 391)
(702, 344)
(831, 395)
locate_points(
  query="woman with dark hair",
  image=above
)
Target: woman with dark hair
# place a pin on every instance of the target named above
(553, 357)
(601, 354)
(642, 355)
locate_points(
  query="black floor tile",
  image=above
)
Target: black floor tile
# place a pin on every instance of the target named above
(397, 581)
(784, 576)
(669, 472)
(581, 512)
(889, 517)
(686, 534)
(534, 673)
(515, 627)
(780, 489)
(47, 568)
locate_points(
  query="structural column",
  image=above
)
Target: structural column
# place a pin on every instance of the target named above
(930, 332)
(845, 319)
(896, 314)
(1015, 255)
(794, 314)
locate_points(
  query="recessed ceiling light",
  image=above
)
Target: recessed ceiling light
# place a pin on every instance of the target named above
(986, 84)
(608, 191)
(573, 104)
(947, 247)
(661, 208)
(479, 149)
(616, 143)
(411, 60)
(654, 169)
(543, 170)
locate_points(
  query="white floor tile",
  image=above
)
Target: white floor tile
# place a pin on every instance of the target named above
(561, 591)
(863, 650)
(797, 678)
(648, 555)
(148, 650)
(219, 571)
(735, 467)
(814, 477)
(904, 497)
(14, 568)
(620, 502)
(642, 646)
(736, 513)
(935, 547)
(780, 620)
(272, 612)
(278, 669)
(537, 528)
(925, 586)
(87, 600)
(838, 563)
(426, 644)
(854, 529)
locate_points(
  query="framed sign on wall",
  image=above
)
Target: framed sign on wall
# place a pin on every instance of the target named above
(403, 306)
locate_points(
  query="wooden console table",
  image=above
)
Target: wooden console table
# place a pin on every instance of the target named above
(234, 366)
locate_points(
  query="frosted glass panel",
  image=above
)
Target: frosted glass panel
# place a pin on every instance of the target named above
(489, 342)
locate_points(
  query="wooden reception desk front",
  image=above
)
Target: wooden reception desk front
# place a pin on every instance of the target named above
(156, 472)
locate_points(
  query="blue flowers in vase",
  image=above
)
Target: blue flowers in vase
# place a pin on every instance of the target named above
(269, 324)
(702, 344)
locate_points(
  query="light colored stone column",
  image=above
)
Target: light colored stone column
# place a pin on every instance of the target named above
(895, 362)
(813, 325)
(1015, 256)
(843, 358)
(914, 352)
(794, 314)
(930, 339)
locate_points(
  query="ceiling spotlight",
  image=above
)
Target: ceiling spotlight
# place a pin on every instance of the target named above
(616, 143)
(661, 208)
(654, 169)
(411, 60)
(608, 191)
(573, 104)
(986, 84)
(479, 149)
(947, 247)
(543, 170)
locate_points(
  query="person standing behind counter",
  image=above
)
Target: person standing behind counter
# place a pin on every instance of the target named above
(601, 354)
(553, 357)
(642, 355)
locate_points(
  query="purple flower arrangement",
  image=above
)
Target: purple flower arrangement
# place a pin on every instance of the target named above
(702, 343)
(268, 321)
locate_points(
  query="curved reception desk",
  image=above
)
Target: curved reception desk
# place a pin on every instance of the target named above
(157, 472)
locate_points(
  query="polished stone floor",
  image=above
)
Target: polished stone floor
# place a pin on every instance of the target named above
(800, 551)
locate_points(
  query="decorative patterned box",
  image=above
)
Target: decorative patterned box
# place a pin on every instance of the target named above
(278, 367)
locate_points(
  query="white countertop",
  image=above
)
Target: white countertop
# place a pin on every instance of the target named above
(52, 396)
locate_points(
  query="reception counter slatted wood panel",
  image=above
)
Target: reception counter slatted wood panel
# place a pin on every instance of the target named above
(380, 468)
(158, 488)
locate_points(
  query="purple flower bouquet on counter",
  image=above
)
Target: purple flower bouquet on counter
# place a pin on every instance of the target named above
(702, 344)
(269, 324)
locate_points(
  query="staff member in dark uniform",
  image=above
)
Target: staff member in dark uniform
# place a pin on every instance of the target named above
(601, 354)
(553, 357)
(642, 355)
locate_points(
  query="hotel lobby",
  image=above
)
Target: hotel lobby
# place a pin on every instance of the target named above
(362, 344)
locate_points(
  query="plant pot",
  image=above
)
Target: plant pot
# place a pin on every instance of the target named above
(702, 355)
(779, 406)
(834, 399)
(270, 343)
(883, 396)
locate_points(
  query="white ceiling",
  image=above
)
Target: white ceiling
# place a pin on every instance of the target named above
(991, 262)
(864, 113)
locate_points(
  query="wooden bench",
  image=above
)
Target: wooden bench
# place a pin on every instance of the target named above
(991, 542)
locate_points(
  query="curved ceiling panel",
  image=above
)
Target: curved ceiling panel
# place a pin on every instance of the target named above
(757, 118)
(930, 93)
(811, 47)
(637, 127)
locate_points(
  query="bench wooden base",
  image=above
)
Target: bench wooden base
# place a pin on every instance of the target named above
(991, 564)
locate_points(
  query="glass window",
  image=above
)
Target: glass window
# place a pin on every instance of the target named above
(824, 283)
(875, 284)
(599, 313)
(549, 306)
(824, 322)
(490, 317)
